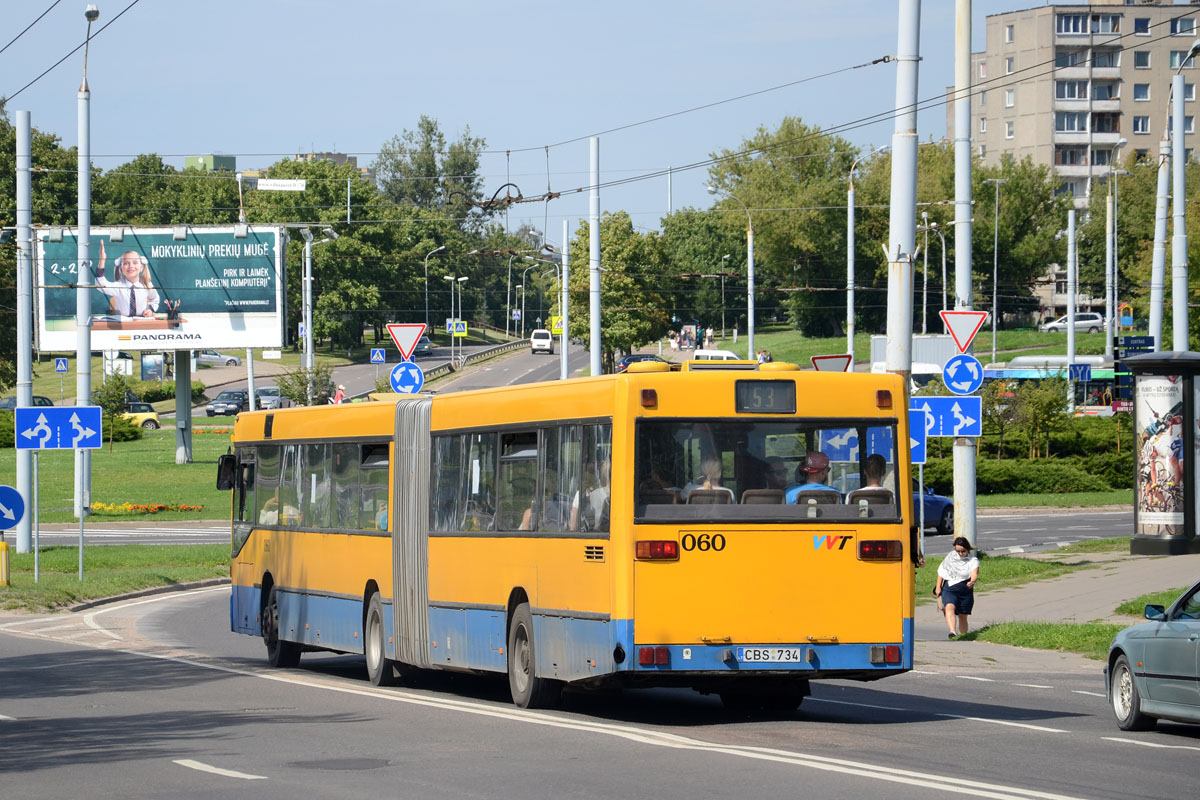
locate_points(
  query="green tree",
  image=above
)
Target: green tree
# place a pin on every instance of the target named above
(1000, 412)
(111, 399)
(419, 168)
(631, 307)
(1041, 411)
(295, 385)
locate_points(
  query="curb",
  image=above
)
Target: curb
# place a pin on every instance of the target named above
(174, 587)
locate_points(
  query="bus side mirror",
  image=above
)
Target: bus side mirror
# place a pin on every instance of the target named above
(226, 472)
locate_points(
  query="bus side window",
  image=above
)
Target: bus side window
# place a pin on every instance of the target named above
(479, 484)
(560, 476)
(447, 483)
(518, 481)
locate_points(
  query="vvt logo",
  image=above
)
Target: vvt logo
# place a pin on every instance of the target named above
(831, 542)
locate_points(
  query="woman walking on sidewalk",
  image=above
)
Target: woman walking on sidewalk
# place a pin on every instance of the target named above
(957, 576)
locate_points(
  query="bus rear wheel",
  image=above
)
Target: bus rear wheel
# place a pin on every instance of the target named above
(528, 690)
(380, 669)
(279, 652)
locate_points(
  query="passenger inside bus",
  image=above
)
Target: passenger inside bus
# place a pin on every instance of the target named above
(814, 472)
(872, 490)
(707, 487)
(594, 514)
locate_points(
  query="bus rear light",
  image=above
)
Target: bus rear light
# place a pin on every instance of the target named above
(883, 398)
(654, 656)
(657, 550)
(880, 550)
(649, 398)
(885, 654)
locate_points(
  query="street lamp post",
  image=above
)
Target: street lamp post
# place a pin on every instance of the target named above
(523, 274)
(749, 271)
(83, 298)
(995, 262)
(936, 231)
(925, 270)
(1110, 252)
(427, 255)
(724, 258)
(307, 311)
(455, 280)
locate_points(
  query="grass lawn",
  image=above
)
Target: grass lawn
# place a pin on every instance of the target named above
(1119, 497)
(1137, 606)
(996, 572)
(107, 572)
(1089, 639)
(142, 472)
(1119, 544)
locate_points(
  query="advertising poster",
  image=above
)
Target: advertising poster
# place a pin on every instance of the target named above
(153, 291)
(152, 367)
(1158, 412)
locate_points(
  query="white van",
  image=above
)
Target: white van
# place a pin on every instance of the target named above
(541, 341)
(715, 355)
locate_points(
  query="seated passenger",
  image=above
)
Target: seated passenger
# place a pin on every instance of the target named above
(710, 480)
(815, 470)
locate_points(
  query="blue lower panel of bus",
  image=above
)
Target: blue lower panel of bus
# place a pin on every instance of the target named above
(320, 620)
(570, 648)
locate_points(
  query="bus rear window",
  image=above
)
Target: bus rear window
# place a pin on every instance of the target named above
(723, 470)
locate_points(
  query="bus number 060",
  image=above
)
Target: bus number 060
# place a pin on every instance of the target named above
(703, 542)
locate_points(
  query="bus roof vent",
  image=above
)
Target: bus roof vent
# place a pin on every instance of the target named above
(707, 366)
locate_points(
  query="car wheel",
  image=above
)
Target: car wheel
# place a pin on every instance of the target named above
(231, 363)
(1126, 700)
(150, 425)
(1093, 329)
(945, 525)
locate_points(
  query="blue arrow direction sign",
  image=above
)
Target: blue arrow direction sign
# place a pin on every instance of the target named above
(12, 507)
(963, 374)
(59, 428)
(840, 444)
(60, 365)
(407, 378)
(377, 356)
(1079, 372)
(951, 416)
(917, 425)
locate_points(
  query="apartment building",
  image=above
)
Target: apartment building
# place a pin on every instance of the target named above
(1080, 86)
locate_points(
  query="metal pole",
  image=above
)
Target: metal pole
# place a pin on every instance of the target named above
(348, 205)
(1108, 271)
(849, 265)
(24, 312)
(593, 257)
(83, 298)
(942, 238)
(925, 271)
(307, 314)
(750, 285)
(251, 396)
(964, 449)
(902, 225)
(1158, 266)
(508, 297)
(1179, 265)
(37, 527)
(564, 337)
(1071, 288)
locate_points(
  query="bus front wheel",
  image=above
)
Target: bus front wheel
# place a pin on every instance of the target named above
(279, 652)
(380, 668)
(528, 690)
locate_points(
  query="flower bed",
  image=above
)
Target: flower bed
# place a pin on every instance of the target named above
(142, 508)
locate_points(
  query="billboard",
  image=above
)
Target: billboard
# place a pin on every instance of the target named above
(153, 291)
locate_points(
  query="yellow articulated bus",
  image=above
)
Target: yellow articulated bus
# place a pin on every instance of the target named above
(731, 527)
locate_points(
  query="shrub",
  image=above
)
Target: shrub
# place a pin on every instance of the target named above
(156, 391)
(1009, 476)
(8, 426)
(122, 430)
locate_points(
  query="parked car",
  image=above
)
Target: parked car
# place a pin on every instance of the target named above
(1085, 322)
(1152, 671)
(143, 415)
(268, 398)
(541, 341)
(219, 359)
(9, 403)
(939, 509)
(633, 358)
(230, 401)
(715, 355)
(424, 347)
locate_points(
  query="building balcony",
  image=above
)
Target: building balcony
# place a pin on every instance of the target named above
(1106, 73)
(1072, 170)
(1080, 73)
(1106, 105)
(1071, 137)
(1110, 139)
(1071, 105)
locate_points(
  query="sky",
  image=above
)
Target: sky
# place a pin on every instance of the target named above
(266, 79)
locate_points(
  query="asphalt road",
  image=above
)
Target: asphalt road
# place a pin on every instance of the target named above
(156, 698)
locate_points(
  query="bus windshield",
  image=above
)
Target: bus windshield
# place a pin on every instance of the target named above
(788, 470)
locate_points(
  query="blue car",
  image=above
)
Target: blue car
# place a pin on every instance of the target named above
(1152, 671)
(939, 509)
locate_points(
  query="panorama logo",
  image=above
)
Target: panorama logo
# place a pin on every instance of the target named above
(163, 337)
(831, 542)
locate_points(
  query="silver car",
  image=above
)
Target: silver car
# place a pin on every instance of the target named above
(268, 398)
(1085, 322)
(218, 359)
(1152, 670)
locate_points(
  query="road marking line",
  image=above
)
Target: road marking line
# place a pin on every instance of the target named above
(973, 678)
(54, 628)
(1089, 694)
(8, 719)
(923, 672)
(1005, 722)
(1015, 549)
(1150, 744)
(859, 705)
(228, 773)
(1033, 685)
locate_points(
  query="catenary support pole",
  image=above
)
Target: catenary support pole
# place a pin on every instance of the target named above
(1072, 273)
(83, 297)
(594, 257)
(964, 448)
(1179, 258)
(565, 301)
(1108, 272)
(849, 267)
(1158, 265)
(24, 314)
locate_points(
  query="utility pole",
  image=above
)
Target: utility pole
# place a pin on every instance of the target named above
(998, 182)
(964, 448)
(593, 258)
(24, 154)
(1072, 273)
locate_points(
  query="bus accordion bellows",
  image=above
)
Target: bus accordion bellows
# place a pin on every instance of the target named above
(738, 531)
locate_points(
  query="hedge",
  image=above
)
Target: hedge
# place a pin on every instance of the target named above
(1010, 476)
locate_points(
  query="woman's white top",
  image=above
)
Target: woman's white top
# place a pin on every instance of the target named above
(955, 569)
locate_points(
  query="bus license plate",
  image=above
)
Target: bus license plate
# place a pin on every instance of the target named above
(770, 654)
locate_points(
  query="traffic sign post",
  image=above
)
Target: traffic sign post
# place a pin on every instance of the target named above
(917, 426)
(1079, 372)
(405, 335)
(58, 428)
(834, 363)
(962, 326)
(406, 378)
(952, 416)
(377, 356)
(963, 374)
(460, 329)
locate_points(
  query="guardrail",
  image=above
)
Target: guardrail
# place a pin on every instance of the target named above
(483, 355)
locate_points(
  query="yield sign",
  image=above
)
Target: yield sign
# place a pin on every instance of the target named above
(839, 363)
(963, 325)
(406, 335)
